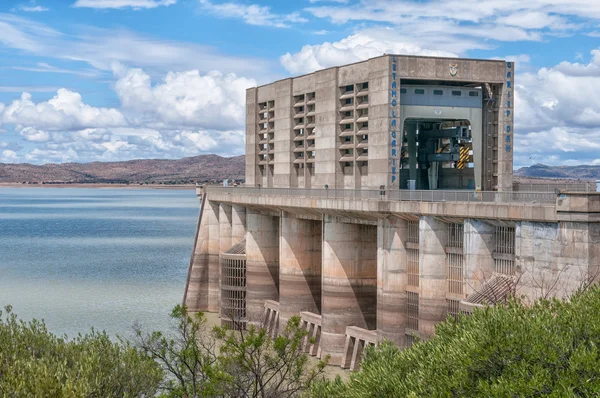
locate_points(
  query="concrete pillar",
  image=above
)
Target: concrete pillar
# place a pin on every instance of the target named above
(196, 297)
(262, 263)
(349, 283)
(299, 267)
(432, 259)
(225, 226)
(214, 246)
(238, 223)
(479, 246)
(225, 241)
(391, 279)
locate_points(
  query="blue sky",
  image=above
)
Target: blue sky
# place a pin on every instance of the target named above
(87, 80)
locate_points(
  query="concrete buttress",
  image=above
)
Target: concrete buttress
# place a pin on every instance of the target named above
(391, 279)
(432, 260)
(299, 267)
(349, 283)
(262, 263)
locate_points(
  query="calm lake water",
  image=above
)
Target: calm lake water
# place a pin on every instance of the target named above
(103, 258)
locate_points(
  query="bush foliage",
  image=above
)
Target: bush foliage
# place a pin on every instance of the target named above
(201, 362)
(547, 349)
(36, 363)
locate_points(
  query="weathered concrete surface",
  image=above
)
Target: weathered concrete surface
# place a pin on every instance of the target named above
(391, 279)
(196, 293)
(225, 237)
(373, 208)
(238, 223)
(214, 249)
(433, 282)
(262, 263)
(479, 244)
(349, 282)
(555, 259)
(299, 267)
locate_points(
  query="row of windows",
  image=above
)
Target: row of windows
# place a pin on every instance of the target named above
(455, 93)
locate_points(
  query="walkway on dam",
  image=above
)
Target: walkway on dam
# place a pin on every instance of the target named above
(394, 194)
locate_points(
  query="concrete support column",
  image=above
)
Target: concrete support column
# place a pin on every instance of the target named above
(349, 282)
(214, 247)
(196, 297)
(479, 246)
(299, 267)
(432, 260)
(238, 223)
(225, 241)
(225, 226)
(391, 279)
(262, 263)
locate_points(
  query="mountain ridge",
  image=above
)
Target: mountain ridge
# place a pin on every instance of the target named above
(201, 168)
(579, 172)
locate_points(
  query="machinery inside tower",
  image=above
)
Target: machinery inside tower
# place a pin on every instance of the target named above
(442, 137)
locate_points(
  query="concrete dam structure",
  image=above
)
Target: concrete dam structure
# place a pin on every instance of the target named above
(378, 201)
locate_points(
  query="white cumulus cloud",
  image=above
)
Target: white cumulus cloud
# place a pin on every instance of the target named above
(211, 101)
(65, 111)
(357, 47)
(557, 114)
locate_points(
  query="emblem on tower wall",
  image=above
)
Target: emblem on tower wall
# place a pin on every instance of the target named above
(453, 69)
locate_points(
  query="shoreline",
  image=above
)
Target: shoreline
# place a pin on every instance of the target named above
(98, 186)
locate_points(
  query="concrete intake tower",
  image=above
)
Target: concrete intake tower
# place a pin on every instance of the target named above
(379, 200)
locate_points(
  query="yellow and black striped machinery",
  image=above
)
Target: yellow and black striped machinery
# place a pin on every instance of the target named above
(463, 159)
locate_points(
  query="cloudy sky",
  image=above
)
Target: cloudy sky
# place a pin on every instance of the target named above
(87, 80)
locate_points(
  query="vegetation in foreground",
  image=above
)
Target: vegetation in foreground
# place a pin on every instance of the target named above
(550, 348)
(36, 363)
(193, 361)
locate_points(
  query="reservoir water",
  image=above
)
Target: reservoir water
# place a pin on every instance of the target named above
(103, 258)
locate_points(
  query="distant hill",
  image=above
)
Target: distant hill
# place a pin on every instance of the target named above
(192, 169)
(582, 172)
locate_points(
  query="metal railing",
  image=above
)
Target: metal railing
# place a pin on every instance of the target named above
(556, 187)
(395, 195)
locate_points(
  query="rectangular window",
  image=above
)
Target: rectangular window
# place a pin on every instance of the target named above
(473, 94)
(419, 91)
(456, 93)
(366, 85)
(348, 113)
(348, 101)
(438, 92)
(348, 126)
(348, 139)
(403, 91)
(350, 87)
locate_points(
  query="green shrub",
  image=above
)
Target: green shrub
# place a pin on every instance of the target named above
(547, 349)
(36, 363)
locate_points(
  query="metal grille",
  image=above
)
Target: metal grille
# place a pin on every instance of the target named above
(413, 254)
(505, 244)
(413, 232)
(454, 264)
(233, 293)
(410, 340)
(453, 308)
(455, 261)
(456, 233)
(413, 267)
(412, 310)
